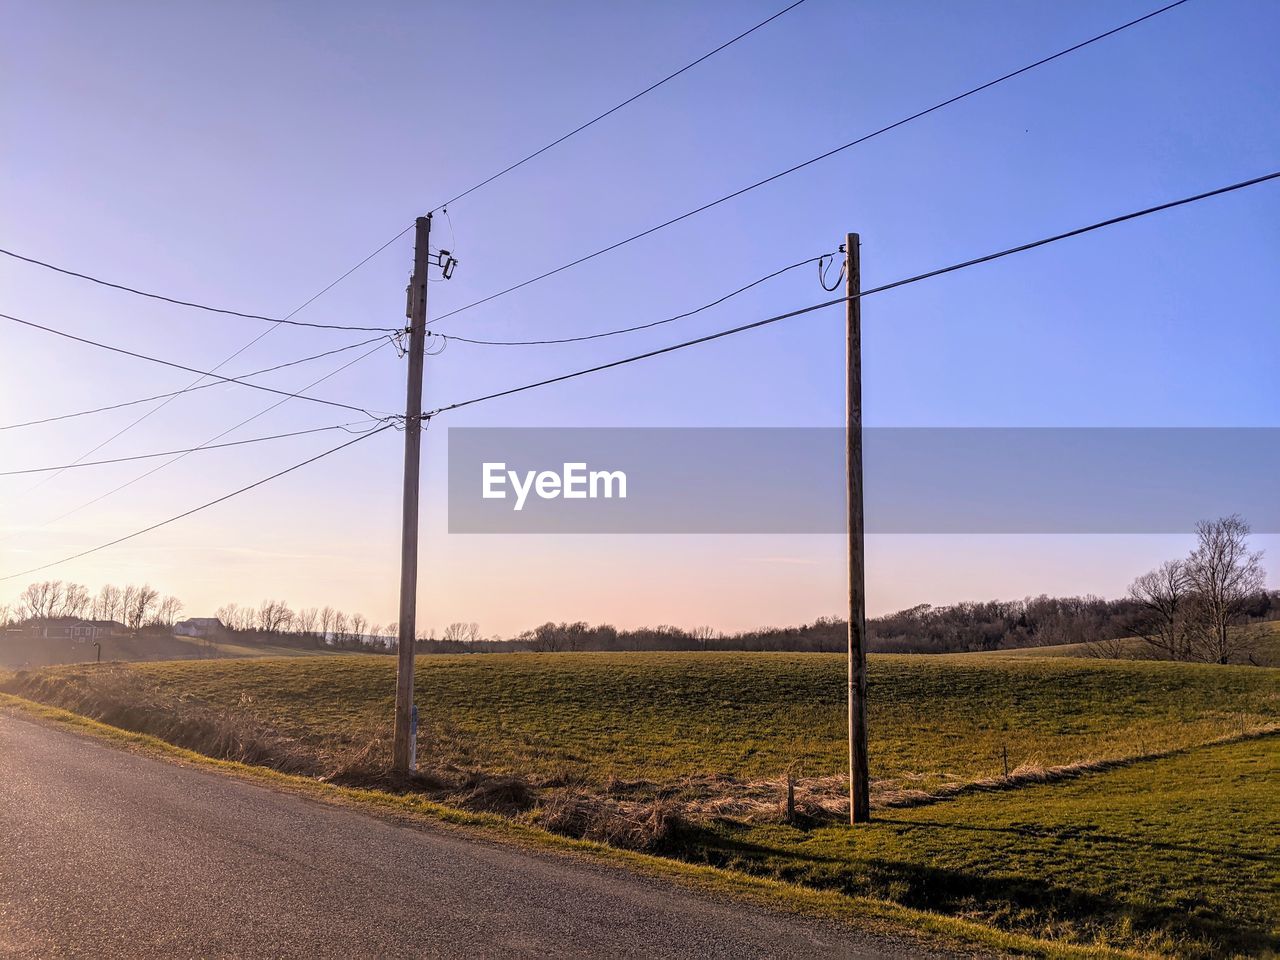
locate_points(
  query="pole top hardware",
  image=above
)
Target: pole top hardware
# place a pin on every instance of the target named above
(446, 262)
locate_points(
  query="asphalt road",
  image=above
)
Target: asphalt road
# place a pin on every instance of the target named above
(106, 853)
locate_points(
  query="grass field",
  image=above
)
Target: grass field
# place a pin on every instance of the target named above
(747, 715)
(1175, 853)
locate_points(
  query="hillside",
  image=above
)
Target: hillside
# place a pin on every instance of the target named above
(1265, 654)
(22, 651)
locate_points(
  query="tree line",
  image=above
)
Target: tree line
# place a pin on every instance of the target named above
(133, 606)
(1196, 608)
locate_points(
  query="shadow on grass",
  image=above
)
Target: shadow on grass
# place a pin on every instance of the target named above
(1024, 904)
(1087, 835)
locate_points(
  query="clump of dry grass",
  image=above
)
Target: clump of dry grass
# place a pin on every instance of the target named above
(122, 698)
(630, 825)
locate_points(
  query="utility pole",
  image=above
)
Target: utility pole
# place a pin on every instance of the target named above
(859, 784)
(402, 758)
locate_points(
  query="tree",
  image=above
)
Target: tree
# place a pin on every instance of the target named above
(168, 611)
(75, 600)
(106, 605)
(358, 626)
(703, 635)
(38, 600)
(460, 632)
(326, 622)
(228, 614)
(1225, 577)
(1161, 596)
(306, 620)
(140, 601)
(274, 616)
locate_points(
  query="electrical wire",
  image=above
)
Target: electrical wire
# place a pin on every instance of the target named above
(668, 349)
(206, 307)
(596, 119)
(168, 453)
(219, 436)
(178, 393)
(443, 207)
(203, 506)
(177, 366)
(800, 166)
(987, 258)
(642, 326)
(822, 275)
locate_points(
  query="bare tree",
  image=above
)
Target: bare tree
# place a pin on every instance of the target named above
(339, 625)
(1225, 576)
(140, 603)
(306, 620)
(227, 613)
(1161, 596)
(460, 632)
(75, 600)
(358, 625)
(38, 600)
(127, 597)
(106, 605)
(274, 616)
(326, 621)
(168, 611)
(703, 634)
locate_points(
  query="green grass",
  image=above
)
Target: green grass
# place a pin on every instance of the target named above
(661, 716)
(1175, 854)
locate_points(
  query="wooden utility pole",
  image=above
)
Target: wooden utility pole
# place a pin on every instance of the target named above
(859, 784)
(402, 756)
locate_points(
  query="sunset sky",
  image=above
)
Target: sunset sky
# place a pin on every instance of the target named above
(254, 168)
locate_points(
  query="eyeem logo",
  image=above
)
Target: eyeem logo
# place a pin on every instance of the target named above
(574, 482)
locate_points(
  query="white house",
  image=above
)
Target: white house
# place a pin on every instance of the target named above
(199, 627)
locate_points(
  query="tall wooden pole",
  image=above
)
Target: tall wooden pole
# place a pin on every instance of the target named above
(402, 741)
(859, 785)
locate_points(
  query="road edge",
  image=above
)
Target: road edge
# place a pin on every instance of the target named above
(877, 917)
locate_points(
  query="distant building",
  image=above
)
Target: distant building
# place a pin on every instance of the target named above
(85, 631)
(199, 627)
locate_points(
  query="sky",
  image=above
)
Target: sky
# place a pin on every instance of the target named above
(247, 155)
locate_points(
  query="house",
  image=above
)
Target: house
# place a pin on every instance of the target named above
(199, 627)
(83, 631)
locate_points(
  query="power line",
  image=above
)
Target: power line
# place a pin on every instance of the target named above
(688, 343)
(987, 258)
(642, 326)
(203, 506)
(213, 439)
(197, 383)
(168, 453)
(576, 130)
(222, 310)
(178, 366)
(800, 166)
(614, 109)
(177, 393)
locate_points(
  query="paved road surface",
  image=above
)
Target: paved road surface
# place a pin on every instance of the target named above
(105, 853)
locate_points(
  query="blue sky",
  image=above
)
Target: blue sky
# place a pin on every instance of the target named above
(247, 154)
